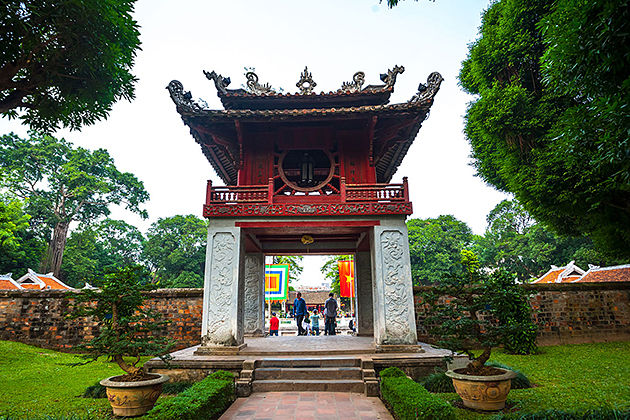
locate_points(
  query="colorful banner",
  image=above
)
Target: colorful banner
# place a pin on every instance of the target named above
(276, 281)
(346, 278)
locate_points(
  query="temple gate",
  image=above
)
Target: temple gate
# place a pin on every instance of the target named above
(306, 173)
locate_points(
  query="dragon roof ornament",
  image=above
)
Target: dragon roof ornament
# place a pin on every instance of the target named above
(429, 90)
(357, 82)
(183, 100)
(220, 82)
(389, 78)
(256, 88)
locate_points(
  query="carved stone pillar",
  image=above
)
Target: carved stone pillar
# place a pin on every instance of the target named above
(365, 311)
(222, 323)
(394, 315)
(254, 304)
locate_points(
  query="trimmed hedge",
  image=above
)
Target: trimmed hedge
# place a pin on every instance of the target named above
(207, 399)
(409, 400)
(594, 414)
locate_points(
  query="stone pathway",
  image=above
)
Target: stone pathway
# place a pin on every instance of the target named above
(307, 406)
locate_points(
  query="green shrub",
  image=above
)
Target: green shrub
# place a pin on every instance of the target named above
(520, 382)
(174, 388)
(594, 414)
(206, 399)
(409, 400)
(438, 382)
(95, 391)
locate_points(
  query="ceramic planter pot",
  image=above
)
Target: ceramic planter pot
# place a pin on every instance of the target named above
(130, 399)
(483, 392)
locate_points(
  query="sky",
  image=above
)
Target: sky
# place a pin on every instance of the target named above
(334, 39)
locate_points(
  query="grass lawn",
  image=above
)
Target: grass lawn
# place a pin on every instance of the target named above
(35, 383)
(570, 377)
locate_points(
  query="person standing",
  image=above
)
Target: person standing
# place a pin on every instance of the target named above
(330, 311)
(299, 311)
(274, 324)
(315, 322)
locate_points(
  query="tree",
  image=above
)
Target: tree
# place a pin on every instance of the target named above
(65, 62)
(550, 122)
(295, 265)
(175, 250)
(330, 270)
(97, 249)
(515, 242)
(20, 249)
(434, 247)
(65, 184)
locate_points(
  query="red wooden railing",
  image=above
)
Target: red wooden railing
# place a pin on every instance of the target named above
(382, 193)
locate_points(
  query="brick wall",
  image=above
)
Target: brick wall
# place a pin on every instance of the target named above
(39, 317)
(570, 313)
(566, 313)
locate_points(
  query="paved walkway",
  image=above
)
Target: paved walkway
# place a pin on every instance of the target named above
(307, 406)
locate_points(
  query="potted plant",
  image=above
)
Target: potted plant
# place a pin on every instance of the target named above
(125, 330)
(480, 311)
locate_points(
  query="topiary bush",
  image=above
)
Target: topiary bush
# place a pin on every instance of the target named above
(409, 400)
(206, 399)
(594, 414)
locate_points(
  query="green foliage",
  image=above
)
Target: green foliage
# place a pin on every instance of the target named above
(64, 184)
(515, 242)
(477, 310)
(95, 391)
(126, 327)
(519, 382)
(96, 249)
(550, 119)
(438, 382)
(434, 248)
(206, 399)
(295, 265)
(66, 63)
(553, 414)
(409, 400)
(170, 388)
(392, 372)
(20, 248)
(175, 250)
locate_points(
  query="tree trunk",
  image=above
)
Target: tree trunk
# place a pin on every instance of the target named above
(56, 247)
(476, 365)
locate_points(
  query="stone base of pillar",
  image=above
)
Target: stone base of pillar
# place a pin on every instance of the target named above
(208, 349)
(399, 348)
(254, 334)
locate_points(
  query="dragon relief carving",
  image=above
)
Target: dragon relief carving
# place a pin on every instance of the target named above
(396, 288)
(306, 82)
(389, 78)
(220, 82)
(252, 309)
(183, 100)
(357, 82)
(429, 90)
(256, 88)
(221, 289)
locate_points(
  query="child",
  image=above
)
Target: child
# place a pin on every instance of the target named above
(274, 322)
(315, 322)
(306, 325)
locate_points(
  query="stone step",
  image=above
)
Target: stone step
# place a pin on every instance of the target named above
(338, 372)
(308, 362)
(309, 385)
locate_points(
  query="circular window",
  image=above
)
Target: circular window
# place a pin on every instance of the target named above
(306, 170)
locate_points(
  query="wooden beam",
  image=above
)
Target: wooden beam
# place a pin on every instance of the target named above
(239, 137)
(371, 127)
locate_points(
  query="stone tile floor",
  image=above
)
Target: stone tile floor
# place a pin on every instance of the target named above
(307, 406)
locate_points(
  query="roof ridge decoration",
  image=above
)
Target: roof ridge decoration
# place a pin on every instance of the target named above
(357, 82)
(183, 100)
(256, 88)
(220, 82)
(389, 78)
(306, 82)
(429, 90)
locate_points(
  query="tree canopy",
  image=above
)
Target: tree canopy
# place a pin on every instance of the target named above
(64, 184)
(64, 63)
(550, 123)
(434, 248)
(175, 250)
(295, 265)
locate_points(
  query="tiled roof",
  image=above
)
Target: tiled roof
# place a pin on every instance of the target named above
(567, 274)
(33, 280)
(8, 284)
(606, 274)
(52, 282)
(550, 276)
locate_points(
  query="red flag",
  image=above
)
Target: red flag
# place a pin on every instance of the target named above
(346, 278)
